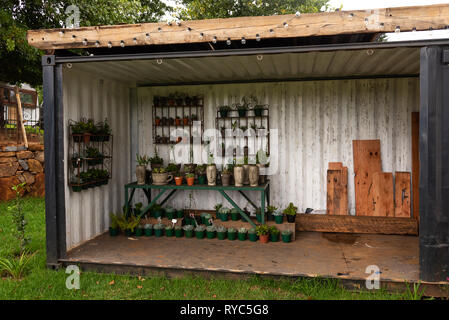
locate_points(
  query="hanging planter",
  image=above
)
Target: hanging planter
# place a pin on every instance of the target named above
(224, 110)
(188, 231)
(286, 236)
(232, 234)
(221, 233)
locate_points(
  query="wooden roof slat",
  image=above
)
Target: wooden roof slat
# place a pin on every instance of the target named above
(306, 25)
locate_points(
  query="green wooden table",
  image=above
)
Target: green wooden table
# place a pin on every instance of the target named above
(264, 191)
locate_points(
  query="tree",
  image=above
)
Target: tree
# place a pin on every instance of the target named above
(208, 9)
(22, 63)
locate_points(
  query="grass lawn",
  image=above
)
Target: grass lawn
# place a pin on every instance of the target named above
(41, 283)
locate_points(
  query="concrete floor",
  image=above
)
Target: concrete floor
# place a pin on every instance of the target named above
(343, 256)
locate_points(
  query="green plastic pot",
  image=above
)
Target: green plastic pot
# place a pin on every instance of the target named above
(199, 234)
(221, 235)
(252, 237)
(210, 234)
(235, 216)
(232, 235)
(279, 219)
(224, 217)
(113, 232)
(178, 233)
(202, 180)
(270, 217)
(158, 232)
(157, 213)
(286, 238)
(169, 232)
(128, 233)
(188, 233)
(148, 232)
(242, 236)
(139, 232)
(259, 217)
(169, 215)
(180, 214)
(274, 237)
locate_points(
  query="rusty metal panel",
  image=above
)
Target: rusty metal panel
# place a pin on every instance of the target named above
(316, 121)
(86, 95)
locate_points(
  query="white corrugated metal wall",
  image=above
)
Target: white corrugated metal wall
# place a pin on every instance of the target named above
(317, 121)
(86, 95)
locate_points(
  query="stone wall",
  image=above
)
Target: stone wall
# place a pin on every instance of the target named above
(19, 164)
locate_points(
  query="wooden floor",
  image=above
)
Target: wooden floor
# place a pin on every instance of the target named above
(313, 254)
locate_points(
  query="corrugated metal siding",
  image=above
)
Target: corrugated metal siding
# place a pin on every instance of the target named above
(348, 63)
(317, 122)
(86, 95)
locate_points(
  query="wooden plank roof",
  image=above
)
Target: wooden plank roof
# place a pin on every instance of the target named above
(373, 21)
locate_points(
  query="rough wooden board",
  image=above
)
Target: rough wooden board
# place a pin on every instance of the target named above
(337, 192)
(383, 194)
(318, 24)
(415, 164)
(367, 161)
(402, 195)
(356, 224)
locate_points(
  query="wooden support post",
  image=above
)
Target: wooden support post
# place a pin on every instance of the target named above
(20, 116)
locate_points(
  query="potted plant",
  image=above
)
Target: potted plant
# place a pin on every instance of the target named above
(177, 121)
(226, 176)
(179, 213)
(290, 212)
(128, 223)
(185, 120)
(141, 168)
(200, 232)
(221, 232)
(158, 229)
(104, 131)
(156, 210)
(138, 208)
(210, 232)
(77, 161)
(242, 234)
(170, 213)
(178, 179)
(239, 175)
(232, 233)
(172, 168)
(241, 109)
(156, 161)
(217, 208)
(201, 171)
(270, 211)
(286, 236)
(258, 110)
(263, 231)
(190, 177)
(278, 216)
(224, 214)
(148, 229)
(207, 219)
(224, 110)
(252, 235)
(274, 234)
(169, 231)
(93, 156)
(114, 227)
(157, 121)
(188, 230)
(235, 214)
(259, 215)
(171, 99)
(161, 177)
(139, 231)
(178, 231)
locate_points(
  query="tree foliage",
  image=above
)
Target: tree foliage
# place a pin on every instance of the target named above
(22, 63)
(208, 9)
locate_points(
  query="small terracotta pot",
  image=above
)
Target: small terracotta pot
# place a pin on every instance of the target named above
(157, 122)
(178, 122)
(178, 181)
(264, 238)
(185, 121)
(190, 181)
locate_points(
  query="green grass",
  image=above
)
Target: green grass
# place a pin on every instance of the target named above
(42, 283)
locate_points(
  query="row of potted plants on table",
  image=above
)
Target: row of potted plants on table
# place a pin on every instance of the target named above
(86, 130)
(132, 226)
(242, 108)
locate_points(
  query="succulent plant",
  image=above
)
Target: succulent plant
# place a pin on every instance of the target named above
(158, 226)
(231, 230)
(168, 227)
(221, 229)
(286, 232)
(187, 227)
(210, 229)
(200, 228)
(243, 230)
(148, 226)
(252, 231)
